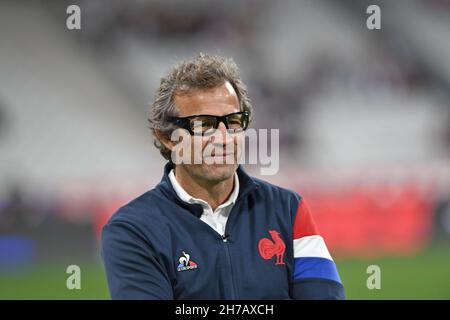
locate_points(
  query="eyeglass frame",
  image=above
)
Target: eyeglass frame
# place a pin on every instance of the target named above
(184, 122)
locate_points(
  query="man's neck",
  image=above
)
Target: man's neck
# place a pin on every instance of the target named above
(214, 193)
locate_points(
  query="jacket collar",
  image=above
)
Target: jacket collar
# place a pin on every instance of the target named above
(246, 185)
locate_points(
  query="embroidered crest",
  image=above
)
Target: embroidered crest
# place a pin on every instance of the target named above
(268, 248)
(185, 262)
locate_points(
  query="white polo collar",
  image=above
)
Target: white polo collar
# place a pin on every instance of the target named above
(186, 197)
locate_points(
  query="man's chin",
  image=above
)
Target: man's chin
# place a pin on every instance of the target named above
(218, 172)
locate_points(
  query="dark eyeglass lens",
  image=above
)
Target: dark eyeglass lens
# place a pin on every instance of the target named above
(202, 124)
(235, 121)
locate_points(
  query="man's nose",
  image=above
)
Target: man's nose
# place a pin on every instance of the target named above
(221, 134)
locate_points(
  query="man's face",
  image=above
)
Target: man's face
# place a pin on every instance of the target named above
(221, 162)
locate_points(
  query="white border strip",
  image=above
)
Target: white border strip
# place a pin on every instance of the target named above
(311, 246)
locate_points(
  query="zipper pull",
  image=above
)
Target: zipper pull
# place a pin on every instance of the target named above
(225, 237)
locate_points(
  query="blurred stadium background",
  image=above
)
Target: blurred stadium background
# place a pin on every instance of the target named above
(364, 120)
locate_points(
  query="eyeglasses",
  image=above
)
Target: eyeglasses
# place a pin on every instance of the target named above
(203, 124)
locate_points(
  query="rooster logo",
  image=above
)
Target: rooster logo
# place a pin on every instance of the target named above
(275, 247)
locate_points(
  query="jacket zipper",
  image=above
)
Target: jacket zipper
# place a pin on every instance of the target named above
(224, 238)
(233, 287)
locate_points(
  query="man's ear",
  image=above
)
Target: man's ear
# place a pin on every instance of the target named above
(164, 139)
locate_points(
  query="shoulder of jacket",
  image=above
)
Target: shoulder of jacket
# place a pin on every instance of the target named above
(137, 211)
(275, 190)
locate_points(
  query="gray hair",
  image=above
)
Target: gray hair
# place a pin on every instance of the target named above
(201, 72)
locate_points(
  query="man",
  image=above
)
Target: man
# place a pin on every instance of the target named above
(208, 230)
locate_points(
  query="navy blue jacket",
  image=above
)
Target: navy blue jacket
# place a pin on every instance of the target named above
(156, 247)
